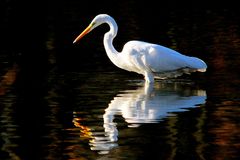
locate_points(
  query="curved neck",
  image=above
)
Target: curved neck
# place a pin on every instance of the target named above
(108, 40)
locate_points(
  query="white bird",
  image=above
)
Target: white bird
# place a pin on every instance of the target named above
(150, 60)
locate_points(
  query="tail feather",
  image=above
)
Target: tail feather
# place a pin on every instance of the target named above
(197, 64)
(176, 73)
(193, 64)
(202, 70)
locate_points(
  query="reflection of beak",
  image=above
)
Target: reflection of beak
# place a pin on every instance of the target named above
(86, 31)
(86, 131)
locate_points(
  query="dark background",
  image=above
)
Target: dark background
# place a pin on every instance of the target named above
(36, 41)
(39, 30)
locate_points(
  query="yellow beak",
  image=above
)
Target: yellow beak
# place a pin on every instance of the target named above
(86, 31)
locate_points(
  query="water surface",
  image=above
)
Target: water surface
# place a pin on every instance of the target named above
(59, 101)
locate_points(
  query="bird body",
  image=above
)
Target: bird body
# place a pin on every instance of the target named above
(150, 60)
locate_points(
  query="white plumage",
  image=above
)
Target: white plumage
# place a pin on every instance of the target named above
(150, 60)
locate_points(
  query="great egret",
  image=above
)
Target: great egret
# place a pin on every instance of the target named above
(150, 60)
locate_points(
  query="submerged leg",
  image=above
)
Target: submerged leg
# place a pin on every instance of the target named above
(149, 77)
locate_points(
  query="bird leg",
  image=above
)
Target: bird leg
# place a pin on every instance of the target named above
(149, 77)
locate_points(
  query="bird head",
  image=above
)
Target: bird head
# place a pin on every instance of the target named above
(98, 20)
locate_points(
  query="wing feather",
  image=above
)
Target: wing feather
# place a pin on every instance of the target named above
(160, 60)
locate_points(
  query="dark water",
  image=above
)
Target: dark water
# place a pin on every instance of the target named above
(59, 101)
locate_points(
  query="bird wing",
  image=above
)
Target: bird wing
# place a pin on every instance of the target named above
(160, 60)
(156, 57)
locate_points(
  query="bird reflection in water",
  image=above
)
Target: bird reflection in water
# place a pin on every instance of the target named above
(147, 104)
